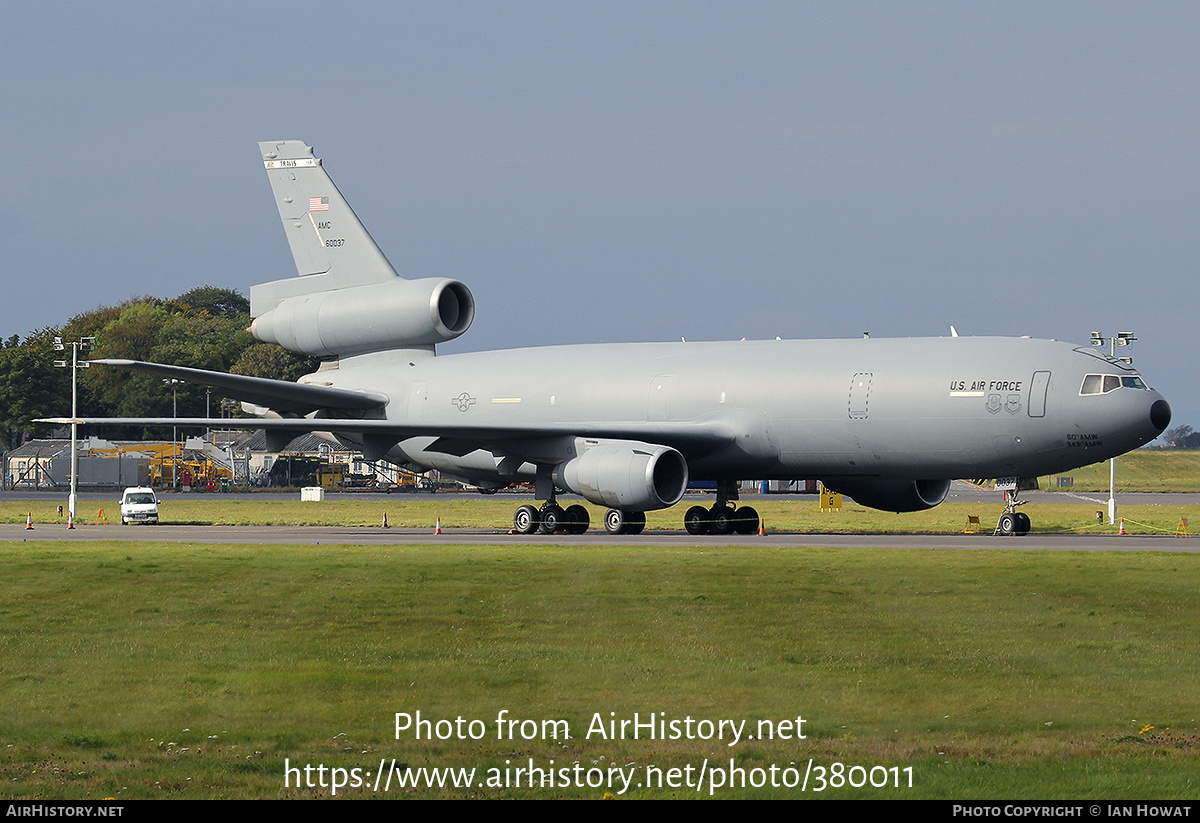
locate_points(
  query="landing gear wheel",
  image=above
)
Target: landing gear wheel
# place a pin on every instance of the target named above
(614, 521)
(576, 519)
(721, 520)
(1007, 524)
(551, 516)
(1023, 523)
(745, 520)
(619, 522)
(525, 520)
(696, 520)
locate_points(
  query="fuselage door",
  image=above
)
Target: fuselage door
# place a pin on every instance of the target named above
(860, 395)
(657, 401)
(1037, 393)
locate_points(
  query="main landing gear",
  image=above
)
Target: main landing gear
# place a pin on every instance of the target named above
(551, 518)
(574, 519)
(722, 518)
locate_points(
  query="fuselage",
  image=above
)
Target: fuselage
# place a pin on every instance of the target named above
(918, 408)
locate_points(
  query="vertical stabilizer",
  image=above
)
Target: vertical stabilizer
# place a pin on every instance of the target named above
(348, 300)
(331, 248)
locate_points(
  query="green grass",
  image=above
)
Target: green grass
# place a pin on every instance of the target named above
(496, 513)
(1166, 470)
(147, 671)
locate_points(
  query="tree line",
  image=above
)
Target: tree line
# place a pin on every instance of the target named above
(1181, 437)
(205, 328)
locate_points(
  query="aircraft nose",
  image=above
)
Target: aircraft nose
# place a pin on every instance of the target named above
(1160, 415)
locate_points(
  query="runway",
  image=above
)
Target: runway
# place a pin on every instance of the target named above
(377, 536)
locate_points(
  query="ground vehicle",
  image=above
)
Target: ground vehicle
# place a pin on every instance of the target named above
(139, 505)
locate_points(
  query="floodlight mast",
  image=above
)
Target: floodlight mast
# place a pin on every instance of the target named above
(83, 344)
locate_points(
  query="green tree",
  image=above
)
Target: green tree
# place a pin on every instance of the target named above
(1182, 437)
(204, 328)
(275, 362)
(217, 302)
(31, 386)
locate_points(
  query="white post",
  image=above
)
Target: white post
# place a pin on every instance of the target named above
(74, 429)
(81, 345)
(1112, 491)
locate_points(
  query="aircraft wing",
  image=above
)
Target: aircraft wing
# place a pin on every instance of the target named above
(281, 395)
(339, 410)
(454, 438)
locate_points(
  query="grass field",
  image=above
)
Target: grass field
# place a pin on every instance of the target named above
(1145, 470)
(192, 671)
(496, 513)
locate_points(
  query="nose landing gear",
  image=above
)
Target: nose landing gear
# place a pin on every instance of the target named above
(1012, 522)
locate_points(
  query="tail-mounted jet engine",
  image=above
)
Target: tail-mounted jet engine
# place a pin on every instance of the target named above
(392, 315)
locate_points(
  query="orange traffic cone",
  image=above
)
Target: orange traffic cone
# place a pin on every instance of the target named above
(762, 528)
(29, 521)
(385, 525)
(70, 521)
(438, 528)
(1122, 531)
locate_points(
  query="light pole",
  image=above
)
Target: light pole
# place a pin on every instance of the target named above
(1122, 338)
(83, 344)
(174, 436)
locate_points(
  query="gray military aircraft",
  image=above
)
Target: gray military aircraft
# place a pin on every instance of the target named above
(889, 422)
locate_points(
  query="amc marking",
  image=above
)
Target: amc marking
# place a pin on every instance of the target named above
(1084, 441)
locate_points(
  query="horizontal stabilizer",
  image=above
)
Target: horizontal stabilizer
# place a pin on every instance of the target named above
(280, 395)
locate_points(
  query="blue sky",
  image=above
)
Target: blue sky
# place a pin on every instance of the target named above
(632, 171)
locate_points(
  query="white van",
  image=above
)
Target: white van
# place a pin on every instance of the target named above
(139, 505)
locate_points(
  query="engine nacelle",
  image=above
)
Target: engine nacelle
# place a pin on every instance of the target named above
(625, 474)
(893, 495)
(391, 315)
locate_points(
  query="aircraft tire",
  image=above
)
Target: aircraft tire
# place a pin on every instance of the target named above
(1023, 524)
(526, 520)
(576, 519)
(696, 520)
(745, 520)
(552, 519)
(721, 520)
(614, 521)
(1007, 524)
(635, 522)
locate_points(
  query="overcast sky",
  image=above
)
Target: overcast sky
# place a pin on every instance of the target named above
(632, 171)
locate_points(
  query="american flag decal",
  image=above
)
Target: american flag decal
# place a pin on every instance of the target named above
(318, 204)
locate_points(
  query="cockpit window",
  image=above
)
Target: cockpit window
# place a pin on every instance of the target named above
(1104, 383)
